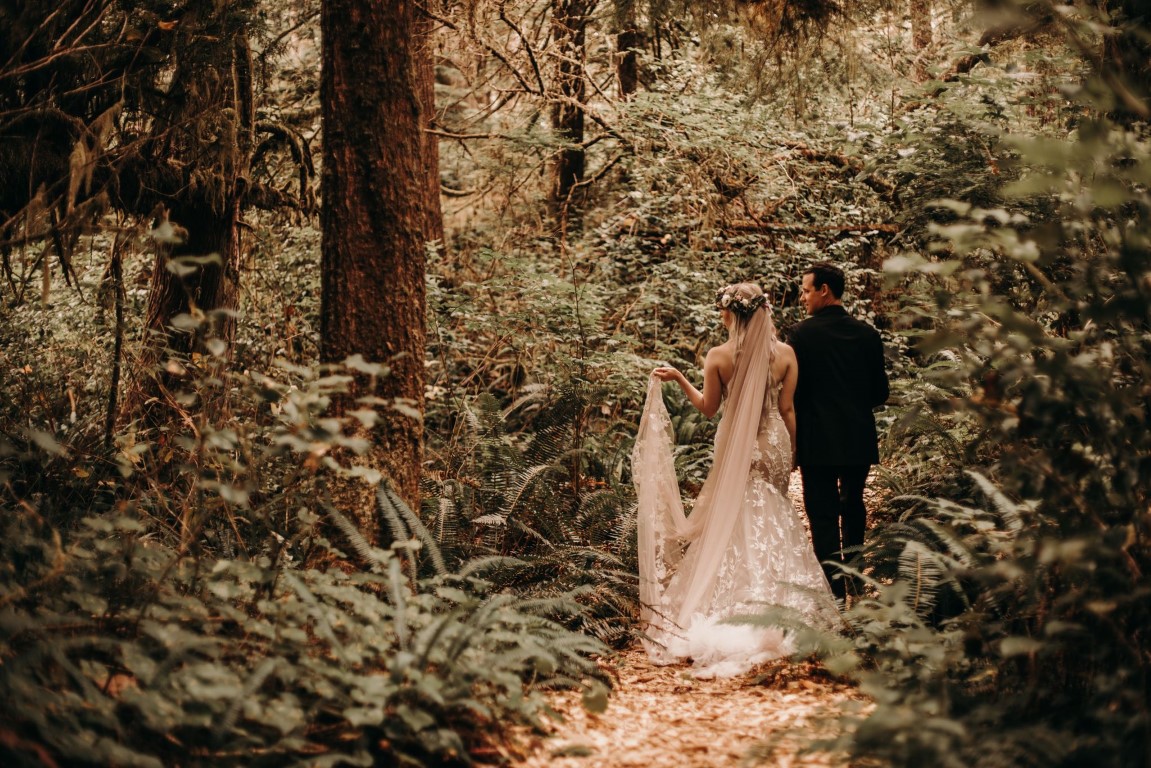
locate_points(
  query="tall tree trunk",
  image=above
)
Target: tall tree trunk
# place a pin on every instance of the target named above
(920, 34)
(627, 41)
(1126, 61)
(212, 95)
(569, 32)
(381, 208)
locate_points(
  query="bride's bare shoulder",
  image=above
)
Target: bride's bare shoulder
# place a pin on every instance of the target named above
(722, 358)
(721, 353)
(784, 349)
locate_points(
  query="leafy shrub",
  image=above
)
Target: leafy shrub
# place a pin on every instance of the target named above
(1007, 623)
(117, 649)
(184, 601)
(558, 516)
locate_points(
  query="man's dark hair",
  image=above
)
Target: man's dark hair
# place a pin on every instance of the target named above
(826, 273)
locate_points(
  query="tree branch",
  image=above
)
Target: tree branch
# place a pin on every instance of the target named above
(490, 49)
(527, 45)
(296, 145)
(839, 160)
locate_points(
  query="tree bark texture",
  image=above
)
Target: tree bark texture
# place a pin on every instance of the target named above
(920, 34)
(569, 33)
(381, 208)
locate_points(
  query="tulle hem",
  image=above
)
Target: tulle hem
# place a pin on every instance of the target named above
(715, 649)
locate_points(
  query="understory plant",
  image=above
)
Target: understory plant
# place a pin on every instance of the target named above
(554, 516)
(119, 649)
(191, 595)
(1008, 604)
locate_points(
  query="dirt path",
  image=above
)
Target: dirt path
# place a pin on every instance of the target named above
(662, 717)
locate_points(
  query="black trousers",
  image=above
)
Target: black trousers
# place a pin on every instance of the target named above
(833, 498)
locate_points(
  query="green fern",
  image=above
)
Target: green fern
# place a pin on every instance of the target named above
(504, 493)
(405, 523)
(368, 667)
(360, 545)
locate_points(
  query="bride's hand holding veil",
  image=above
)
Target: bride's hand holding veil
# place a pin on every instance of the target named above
(718, 367)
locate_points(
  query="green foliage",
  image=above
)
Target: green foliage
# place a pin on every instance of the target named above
(546, 514)
(540, 349)
(185, 602)
(1006, 620)
(177, 597)
(119, 650)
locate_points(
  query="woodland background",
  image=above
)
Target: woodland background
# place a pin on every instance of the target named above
(325, 327)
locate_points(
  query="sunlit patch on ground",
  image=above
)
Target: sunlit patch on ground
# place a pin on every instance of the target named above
(662, 716)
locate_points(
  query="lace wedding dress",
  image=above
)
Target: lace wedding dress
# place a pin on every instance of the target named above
(743, 548)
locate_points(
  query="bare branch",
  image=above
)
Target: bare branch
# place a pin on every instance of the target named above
(300, 154)
(527, 46)
(503, 59)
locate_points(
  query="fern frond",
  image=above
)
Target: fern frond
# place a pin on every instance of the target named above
(364, 550)
(947, 537)
(550, 444)
(563, 605)
(597, 515)
(918, 567)
(446, 523)
(479, 565)
(395, 521)
(532, 532)
(483, 618)
(387, 499)
(523, 482)
(612, 632)
(624, 529)
(1008, 510)
(399, 599)
(919, 423)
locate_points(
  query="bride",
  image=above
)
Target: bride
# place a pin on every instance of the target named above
(744, 546)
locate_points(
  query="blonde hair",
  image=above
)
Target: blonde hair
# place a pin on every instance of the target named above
(743, 300)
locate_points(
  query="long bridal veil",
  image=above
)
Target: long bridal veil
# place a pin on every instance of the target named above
(681, 557)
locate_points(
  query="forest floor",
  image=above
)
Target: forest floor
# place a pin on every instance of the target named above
(664, 717)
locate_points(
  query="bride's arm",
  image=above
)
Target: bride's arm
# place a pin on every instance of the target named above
(709, 399)
(787, 393)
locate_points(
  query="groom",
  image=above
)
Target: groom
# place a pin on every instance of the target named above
(841, 379)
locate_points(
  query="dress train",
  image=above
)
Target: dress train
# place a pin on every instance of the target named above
(692, 582)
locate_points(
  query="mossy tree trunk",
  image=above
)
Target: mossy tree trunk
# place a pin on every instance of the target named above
(569, 32)
(628, 39)
(381, 208)
(211, 95)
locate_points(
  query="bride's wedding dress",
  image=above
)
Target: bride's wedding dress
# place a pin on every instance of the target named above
(743, 548)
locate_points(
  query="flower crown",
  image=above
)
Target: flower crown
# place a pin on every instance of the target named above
(744, 306)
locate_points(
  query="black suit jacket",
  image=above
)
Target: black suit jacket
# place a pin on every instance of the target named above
(841, 379)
